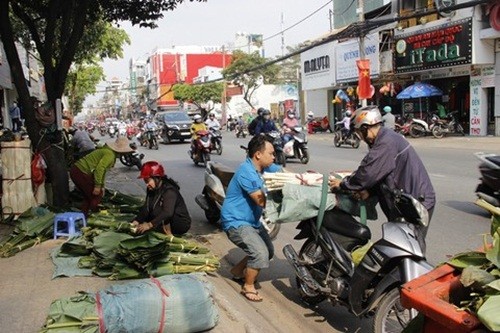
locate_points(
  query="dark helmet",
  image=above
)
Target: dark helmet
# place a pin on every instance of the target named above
(260, 111)
(266, 112)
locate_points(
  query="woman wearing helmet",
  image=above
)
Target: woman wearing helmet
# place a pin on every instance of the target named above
(288, 124)
(391, 161)
(197, 125)
(388, 118)
(164, 209)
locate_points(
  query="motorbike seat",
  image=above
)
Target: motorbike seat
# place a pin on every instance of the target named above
(223, 172)
(494, 159)
(340, 222)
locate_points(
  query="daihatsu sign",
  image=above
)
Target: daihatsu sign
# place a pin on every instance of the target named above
(317, 67)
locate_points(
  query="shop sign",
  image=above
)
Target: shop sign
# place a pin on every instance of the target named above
(488, 76)
(317, 67)
(477, 118)
(446, 45)
(347, 53)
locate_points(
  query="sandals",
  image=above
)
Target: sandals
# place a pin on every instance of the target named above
(255, 297)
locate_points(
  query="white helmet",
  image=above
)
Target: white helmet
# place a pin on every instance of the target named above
(367, 115)
(197, 118)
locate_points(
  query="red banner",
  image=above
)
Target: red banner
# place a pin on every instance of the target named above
(364, 78)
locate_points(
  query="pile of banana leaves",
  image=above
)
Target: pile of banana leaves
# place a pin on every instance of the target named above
(481, 275)
(37, 224)
(111, 249)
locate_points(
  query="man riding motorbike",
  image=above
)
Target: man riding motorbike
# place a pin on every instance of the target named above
(212, 122)
(266, 125)
(255, 121)
(346, 121)
(391, 161)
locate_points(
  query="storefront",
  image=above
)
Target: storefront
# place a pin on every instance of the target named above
(441, 54)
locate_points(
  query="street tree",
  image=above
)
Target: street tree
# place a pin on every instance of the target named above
(200, 95)
(56, 29)
(249, 72)
(86, 71)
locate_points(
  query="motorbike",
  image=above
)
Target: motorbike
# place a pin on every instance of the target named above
(320, 125)
(111, 131)
(133, 158)
(131, 132)
(216, 137)
(241, 131)
(325, 269)
(202, 146)
(152, 140)
(217, 178)
(488, 191)
(297, 146)
(103, 129)
(450, 125)
(275, 138)
(402, 126)
(90, 128)
(339, 138)
(419, 128)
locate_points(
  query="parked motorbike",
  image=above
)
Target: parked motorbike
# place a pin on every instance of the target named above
(241, 131)
(216, 137)
(202, 146)
(297, 146)
(320, 125)
(152, 139)
(277, 142)
(488, 191)
(420, 127)
(339, 138)
(133, 158)
(450, 125)
(325, 269)
(402, 126)
(217, 178)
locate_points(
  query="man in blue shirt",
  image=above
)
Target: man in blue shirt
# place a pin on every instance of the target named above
(241, 212)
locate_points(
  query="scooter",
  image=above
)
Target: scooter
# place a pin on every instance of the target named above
(447, 126)
(201, 148)
(241, 131)
(217, 178)
(325, 269)
(133, 158)
(488, 191)
(321, 125)
(277, 142)
(339, 138)
(103, 130)
(420, 128)
(152, 140)
(297, 146)
(216, 137)
(111, 131)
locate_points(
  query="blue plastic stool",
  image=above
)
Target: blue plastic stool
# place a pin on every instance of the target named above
(68, 224)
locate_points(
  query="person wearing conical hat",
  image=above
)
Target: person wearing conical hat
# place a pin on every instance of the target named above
(89, 173)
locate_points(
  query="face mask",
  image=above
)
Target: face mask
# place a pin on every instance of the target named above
(291, 116)
(267, 117)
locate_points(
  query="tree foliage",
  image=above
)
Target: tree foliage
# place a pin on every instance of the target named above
(242, 72)
(57, 29)
(199, 94)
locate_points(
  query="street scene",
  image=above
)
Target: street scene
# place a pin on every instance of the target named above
(230, 166)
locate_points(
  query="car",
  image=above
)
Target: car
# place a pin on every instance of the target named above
(173, 125)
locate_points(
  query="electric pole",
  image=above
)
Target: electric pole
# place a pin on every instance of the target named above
(282, 36)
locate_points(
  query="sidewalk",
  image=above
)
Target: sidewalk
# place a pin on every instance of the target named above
(27, 288)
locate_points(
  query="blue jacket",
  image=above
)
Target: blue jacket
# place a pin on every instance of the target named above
(265, 127)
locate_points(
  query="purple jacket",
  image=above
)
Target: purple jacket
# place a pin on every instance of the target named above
(392, 161)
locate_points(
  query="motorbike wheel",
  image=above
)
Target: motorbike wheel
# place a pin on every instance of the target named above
(460, 130)
(155, 145)
(337, 139)
(307, 295)
(272, 228)
(437, 132)
(417, 131)
(281, 158)
(390, 315)
(304, 156)
(212, 214)
(355, 142)
(126, 160)
(206, 159)
(218, 148)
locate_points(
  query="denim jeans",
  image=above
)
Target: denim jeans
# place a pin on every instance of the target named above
(256, 243)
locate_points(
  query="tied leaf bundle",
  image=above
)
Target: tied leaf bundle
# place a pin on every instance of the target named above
(275, 181)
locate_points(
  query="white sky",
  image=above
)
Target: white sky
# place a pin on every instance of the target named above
(216, 22)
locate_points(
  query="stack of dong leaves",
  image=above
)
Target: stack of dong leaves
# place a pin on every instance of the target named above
(110, 248)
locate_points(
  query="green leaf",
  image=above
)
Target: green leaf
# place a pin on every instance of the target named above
(495, 224)
(493, 253)
(475, 277)
(488, 313)
(472, 258)
(495, 284)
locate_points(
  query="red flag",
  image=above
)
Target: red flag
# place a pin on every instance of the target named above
(364, 78)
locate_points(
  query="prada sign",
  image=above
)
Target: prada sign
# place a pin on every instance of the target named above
(446, 45)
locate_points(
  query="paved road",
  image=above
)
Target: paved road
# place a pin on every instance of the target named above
(27, 288)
